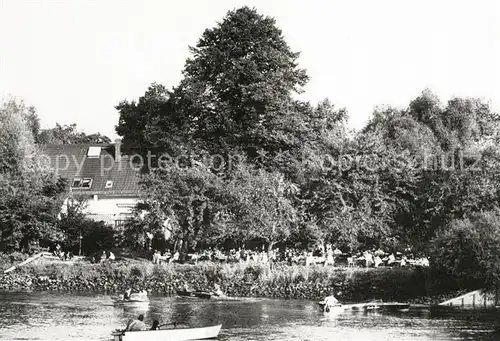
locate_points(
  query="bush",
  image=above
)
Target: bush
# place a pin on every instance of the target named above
(239, 279)
(466, 255)
(9, 259)
(98, 237)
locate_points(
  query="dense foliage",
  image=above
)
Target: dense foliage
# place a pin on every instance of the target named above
(290, 172)
(29, 193)
(468, 251)
(81, 234)
(247, 160)
(238, 279)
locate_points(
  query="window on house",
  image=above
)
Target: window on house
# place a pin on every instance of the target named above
(94, 152)
(109, 183)
(120, 223)
(86, 183)
(77, 182)
(125, 205)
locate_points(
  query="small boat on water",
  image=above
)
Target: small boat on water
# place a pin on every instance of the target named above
(368, 306)
(395, 306)
(141, 297)
(333, 309)
(197, 294)
(119, 300)
(183, 334)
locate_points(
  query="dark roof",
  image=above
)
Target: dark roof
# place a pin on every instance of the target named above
(70, 161)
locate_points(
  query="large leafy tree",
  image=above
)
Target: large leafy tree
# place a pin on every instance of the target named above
(236, 95)
(387, 182)
(153, 121)
(262, 205)
(29, 193)
(184, 200)
(82, 234)
(467, 251)
(238, 85)
(440, 146)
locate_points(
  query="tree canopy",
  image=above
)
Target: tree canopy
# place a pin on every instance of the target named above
(398, 182)
(69, 134)
(29, 193)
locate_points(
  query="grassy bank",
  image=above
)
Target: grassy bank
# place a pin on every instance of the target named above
(244, 279)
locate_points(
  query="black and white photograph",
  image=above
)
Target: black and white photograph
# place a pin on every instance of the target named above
(250, 170)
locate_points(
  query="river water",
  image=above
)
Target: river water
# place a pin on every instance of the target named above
(55, 316)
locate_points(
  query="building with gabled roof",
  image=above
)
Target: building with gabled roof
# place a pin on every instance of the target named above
(98, 173)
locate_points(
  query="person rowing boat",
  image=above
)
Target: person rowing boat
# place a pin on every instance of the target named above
(137, 324)
(129, 296)
(330, 302)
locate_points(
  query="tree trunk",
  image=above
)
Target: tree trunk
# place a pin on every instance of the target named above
(24, 244)
(183, 250)
(269, 249)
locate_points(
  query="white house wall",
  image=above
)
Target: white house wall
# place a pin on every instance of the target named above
(110, 209)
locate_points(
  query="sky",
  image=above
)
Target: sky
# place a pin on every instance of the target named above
(75, 60)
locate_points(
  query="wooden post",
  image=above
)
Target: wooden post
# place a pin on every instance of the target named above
(484, 295)
(474, 301)
(80, 241)
(462, 302)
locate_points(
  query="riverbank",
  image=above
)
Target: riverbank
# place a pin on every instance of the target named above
(239, 279)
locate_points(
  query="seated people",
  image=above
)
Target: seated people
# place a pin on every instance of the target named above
(175, 258)
(218, 291)
(329, 258)
(156, 257)
(391, 260)
(368, 259)
(404, 261)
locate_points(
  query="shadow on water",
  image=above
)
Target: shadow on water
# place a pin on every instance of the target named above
(54, 316)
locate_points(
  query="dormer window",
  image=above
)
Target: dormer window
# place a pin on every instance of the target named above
(94, 152)
(81, 183)
(86, 183)
(109, 183)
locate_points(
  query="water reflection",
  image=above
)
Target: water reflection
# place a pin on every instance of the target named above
(50, 316)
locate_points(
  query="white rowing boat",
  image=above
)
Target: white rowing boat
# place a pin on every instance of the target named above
(367, 306)
(335, 309)
(184, 334)
(141, 297)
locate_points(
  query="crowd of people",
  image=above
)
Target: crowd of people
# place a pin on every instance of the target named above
(326, 256)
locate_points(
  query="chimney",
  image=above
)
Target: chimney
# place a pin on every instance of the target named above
(118, 150)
